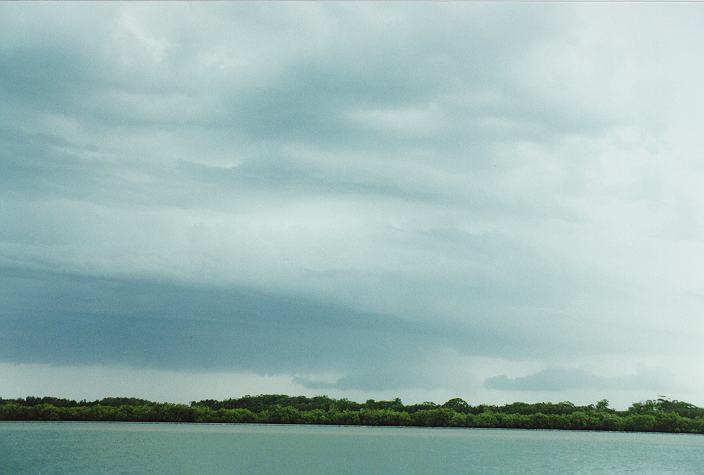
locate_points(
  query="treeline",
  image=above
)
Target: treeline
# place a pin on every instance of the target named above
(659, 415)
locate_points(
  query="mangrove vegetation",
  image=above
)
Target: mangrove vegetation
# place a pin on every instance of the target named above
(658, 415)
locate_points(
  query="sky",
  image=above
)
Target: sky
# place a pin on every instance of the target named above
(499, 202)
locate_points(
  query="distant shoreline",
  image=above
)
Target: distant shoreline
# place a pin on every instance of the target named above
(661, 415)
(301, 424)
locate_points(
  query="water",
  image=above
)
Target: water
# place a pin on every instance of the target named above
(199, 448)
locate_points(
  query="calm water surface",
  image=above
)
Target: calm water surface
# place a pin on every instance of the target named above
(197, 448)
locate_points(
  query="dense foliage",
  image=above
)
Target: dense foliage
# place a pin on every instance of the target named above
(661, 415)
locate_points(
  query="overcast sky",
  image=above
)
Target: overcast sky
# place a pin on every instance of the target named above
(498, 202)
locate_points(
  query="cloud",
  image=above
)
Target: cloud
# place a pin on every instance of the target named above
(352, 195)
(562, 379)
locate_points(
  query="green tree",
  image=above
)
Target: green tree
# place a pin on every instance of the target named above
(602, 405)
(457, 404)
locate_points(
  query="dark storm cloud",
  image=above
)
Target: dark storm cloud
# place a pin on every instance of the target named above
(375, 191)
(52, 317)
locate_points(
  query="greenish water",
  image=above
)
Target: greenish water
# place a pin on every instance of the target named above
(198, 448)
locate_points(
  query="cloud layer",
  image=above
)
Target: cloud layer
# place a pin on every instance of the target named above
(561, 379)
(354, 197)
